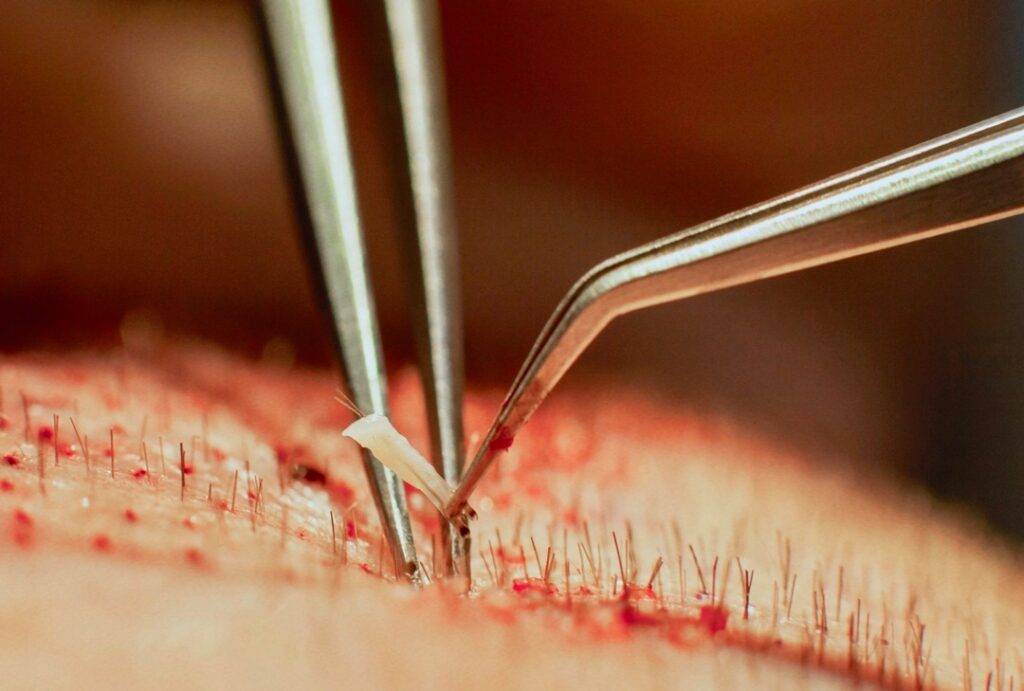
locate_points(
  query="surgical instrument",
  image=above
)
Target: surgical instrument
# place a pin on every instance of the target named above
(299, 46)
(963, 179)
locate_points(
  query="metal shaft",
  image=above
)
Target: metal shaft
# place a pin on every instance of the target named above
(413, 117)
(300, 49)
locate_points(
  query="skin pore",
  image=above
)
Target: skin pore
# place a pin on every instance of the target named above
(219, 531)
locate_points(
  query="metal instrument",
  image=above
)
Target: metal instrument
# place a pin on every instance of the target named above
(961, 180)
(299, 46)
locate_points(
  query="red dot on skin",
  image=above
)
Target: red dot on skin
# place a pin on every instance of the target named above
(534, 585)
(194, 556)
(189, 523)
(341, 493)
(6, 485)
(572, 517)
(139, 473)
(11, 460)
(714, 618)
(350, 529)
(188, 469)
(630, 616)
(45, 433)
(130, 516)
(3, 422)
(219, 455)
(101, 543)
(632, 592)
(21, 517)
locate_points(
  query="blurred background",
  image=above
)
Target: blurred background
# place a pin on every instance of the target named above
(139, 171)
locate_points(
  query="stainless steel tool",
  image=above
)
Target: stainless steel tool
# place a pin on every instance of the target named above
(961, 180)
(299, 42)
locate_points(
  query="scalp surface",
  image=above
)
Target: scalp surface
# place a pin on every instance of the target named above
(618, 543)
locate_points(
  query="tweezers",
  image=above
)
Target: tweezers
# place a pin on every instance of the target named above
(961, 180)
(299, 48)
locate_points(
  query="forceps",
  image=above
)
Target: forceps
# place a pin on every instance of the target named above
(964, 179)
(299, 47)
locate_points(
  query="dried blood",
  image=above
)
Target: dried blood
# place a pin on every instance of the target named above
(714, 618)
(502, 441)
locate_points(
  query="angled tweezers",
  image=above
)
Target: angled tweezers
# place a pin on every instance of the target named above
(964, 179)
(299, 46)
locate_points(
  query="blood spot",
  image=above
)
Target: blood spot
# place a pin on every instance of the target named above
(342, 493)
(130, 516)
(636, 593)
(6, 485)
(571, 517)
(350, 529)
(45, 433)
(194, 556)
(188, 468)
(189, 522)
(21, 531)
(533, 585)
(631, 616)
(502, 441)
(139, 473)
(4, 422)
(102, 543)
(714, 618)
(12, 460)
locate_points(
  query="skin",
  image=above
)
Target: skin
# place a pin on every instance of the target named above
(129, 580)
